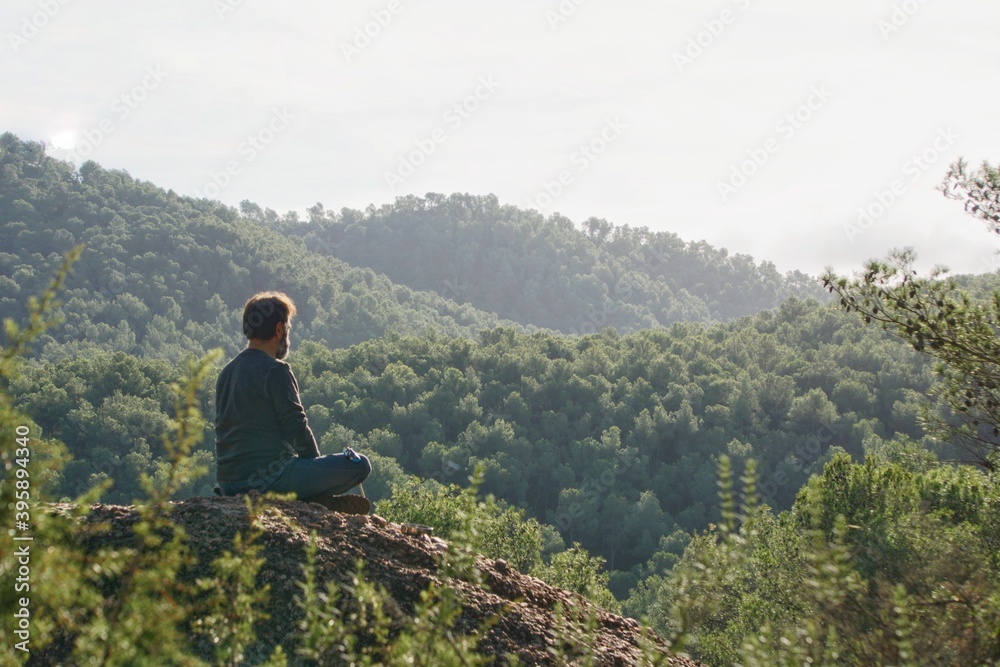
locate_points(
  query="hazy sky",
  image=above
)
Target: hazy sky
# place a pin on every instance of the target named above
(761, 126)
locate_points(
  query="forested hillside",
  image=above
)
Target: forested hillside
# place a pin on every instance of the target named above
(163, 275)
(544, 271)
(603, 450)
(614, 439)
(611, 438)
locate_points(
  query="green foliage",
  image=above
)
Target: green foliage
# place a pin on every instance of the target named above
(572, 636)
(547, 271)
(576, 570)
(386, 474)
(165, 276)
(69, 583)
(572, 639)
(457, 514)
(234, 598)
(431, 637)
(332, 628)
(610, 438)
(55, 577)
(360, 628)
(130, 605)
(979, 191)
(937, 318)
(146, 614)
(892, 561)
(112, 410)
(877, 563)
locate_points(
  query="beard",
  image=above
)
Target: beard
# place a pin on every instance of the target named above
(282, 350)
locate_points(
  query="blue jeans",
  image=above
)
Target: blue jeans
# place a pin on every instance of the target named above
(332, 474)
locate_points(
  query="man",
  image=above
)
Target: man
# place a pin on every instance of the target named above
(263, 440)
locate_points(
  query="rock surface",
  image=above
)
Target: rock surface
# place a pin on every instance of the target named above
(403, 564)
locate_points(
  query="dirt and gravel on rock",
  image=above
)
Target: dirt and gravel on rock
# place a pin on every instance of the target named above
(404, 565)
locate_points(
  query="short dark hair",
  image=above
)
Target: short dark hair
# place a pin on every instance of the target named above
(262, 313)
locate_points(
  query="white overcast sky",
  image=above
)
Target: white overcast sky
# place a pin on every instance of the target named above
(227, 70)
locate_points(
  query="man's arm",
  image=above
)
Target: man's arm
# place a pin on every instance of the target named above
(284, 391)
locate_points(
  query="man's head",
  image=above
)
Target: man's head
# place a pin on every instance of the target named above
(268, 315)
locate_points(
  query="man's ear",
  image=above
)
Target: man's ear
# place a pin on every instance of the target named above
(279, 330)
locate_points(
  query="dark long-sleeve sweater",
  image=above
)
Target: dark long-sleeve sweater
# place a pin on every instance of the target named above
(259, 417)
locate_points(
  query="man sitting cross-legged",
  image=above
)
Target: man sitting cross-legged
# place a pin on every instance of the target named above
(263, 440)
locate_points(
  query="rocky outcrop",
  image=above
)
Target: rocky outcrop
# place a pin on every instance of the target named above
(403, 564)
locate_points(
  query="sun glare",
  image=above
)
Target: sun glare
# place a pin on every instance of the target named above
(64, 139)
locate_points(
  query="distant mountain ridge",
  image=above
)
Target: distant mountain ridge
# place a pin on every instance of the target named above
(163, 275)
(544, 271)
